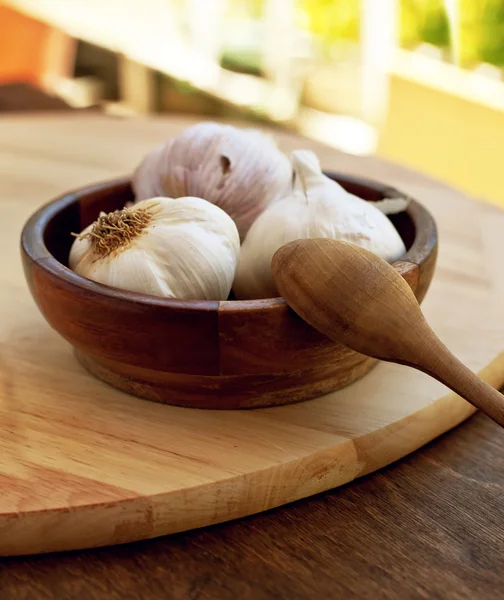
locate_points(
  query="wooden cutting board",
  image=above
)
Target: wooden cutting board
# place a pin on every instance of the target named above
(84, 465)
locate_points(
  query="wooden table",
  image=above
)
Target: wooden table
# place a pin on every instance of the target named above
(430, 526)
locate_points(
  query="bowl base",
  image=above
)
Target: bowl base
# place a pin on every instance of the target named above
(227, 392)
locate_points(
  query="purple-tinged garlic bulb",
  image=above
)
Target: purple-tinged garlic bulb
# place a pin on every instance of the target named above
(239, 170)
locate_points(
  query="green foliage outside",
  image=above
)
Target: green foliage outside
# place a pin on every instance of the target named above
(330, 20)
(480, 29)
(423, 21)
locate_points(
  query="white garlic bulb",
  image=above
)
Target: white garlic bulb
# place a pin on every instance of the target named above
(318, 207)
(239, 170)
(184, 248)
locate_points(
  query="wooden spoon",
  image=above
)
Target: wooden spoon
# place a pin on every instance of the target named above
(359, 300)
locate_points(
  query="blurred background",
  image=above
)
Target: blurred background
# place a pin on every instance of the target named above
(420, 82)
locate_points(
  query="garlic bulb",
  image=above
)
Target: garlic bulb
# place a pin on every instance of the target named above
(184, 248)
(239, 170)
(318, 207)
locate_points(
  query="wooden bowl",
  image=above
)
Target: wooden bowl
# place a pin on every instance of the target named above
(232, 354)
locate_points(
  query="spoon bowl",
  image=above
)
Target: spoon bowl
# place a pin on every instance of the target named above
(357, 298)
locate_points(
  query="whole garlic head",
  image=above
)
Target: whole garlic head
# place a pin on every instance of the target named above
(239, 170)
(184, 248)
(318, 207)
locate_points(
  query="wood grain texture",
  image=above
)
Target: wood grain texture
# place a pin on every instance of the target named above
(355, 297)
(196, 353)
(83, 464)
(428, 526)
(230, 392)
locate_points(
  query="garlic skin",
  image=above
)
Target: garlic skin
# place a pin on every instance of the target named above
(185, 248)
(318, 207)
(392, 206)
(239, 170)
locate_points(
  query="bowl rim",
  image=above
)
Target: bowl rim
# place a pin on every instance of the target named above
(34, 247)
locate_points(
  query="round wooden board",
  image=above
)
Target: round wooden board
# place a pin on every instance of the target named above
(84, 465)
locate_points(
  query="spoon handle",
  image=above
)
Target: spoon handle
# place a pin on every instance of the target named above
(444, 366)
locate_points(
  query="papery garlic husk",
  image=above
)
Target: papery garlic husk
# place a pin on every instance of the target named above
(318, 207)
(239, 170)
(184, 248)
(392, 206)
